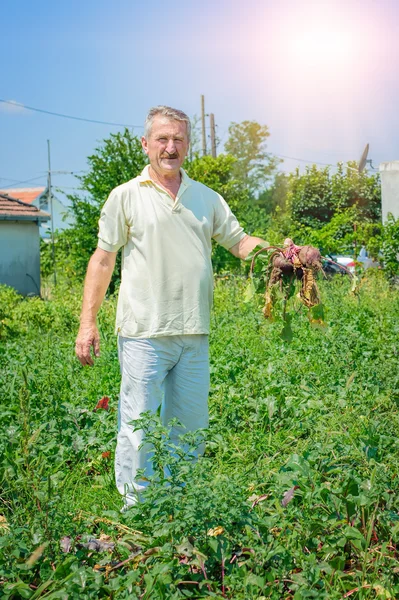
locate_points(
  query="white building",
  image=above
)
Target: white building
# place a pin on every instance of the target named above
(20, 245)
(38, 196)
(390, 189)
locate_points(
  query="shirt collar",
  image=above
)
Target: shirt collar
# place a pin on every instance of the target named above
(144, 177)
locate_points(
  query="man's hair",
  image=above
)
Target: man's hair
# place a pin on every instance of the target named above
(169, 113)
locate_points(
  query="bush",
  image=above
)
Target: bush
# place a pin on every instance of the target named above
(390, 246)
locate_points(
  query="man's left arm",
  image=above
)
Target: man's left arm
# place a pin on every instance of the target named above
(246, 245)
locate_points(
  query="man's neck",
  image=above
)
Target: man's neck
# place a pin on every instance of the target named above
(167, 181)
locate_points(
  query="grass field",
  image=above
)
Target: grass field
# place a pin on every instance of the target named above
(296, 496)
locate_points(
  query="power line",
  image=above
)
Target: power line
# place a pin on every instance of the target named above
(314, 162)
(9, 179)
(16, 182)
(25, 181)
(55, 114)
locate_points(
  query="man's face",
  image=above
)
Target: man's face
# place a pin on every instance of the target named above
(167, 145)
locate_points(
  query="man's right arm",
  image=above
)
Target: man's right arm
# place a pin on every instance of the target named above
(99, 273)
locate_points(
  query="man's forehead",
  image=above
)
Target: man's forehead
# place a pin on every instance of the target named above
(165, 125)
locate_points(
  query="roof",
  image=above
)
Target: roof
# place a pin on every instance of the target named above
(12, 209)
(27, 195)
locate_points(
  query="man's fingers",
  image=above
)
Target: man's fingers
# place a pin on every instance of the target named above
(87, 338)
(83, 353)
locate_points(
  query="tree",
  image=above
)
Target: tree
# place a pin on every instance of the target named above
(195, 145)
(309, 196)
(219, 174)
(351, 188)
(315, 196)
(247, 143)
(276, 195)
(118, 159)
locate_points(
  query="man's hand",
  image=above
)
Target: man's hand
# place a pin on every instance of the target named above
(97, 280)
(246, 245)
(88, 337)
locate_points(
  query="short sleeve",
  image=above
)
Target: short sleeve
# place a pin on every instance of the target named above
(112, 226)
(226, 229)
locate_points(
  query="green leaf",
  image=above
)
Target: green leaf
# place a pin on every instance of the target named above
(286, 333)
(250, 290)
(355, 282)
(316, 317)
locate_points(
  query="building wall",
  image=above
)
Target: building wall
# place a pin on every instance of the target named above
(20, 256)
(390, 189)
(62, 216)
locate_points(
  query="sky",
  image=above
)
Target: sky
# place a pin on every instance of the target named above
(322, 75)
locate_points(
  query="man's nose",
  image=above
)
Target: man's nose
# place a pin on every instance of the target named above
(171, 147)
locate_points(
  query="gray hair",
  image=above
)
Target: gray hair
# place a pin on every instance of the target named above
(169, 113)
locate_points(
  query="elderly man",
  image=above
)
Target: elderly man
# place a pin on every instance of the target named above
(164, 222)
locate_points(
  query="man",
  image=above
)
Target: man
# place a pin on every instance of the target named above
(164, 222)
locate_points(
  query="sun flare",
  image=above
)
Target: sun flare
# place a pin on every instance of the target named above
(322, 45)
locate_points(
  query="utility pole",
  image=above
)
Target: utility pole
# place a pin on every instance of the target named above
(213, 134)
(203, 125)
(50, 198)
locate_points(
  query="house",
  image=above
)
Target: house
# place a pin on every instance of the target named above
(38, 196)
(20, 244)
(390, 189)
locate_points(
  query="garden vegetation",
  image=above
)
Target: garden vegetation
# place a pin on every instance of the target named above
(296, 495)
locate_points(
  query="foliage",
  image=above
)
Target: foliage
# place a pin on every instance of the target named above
(315, 196)
(218, 174)
(275, 196)
(296, 496)
(310, 196)
(118, 159)
(350, 188)
(195, 140)
(390, 246)
(346, 232)
(247, 143)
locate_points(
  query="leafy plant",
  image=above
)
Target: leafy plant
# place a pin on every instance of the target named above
(390, 246)
(296, 494)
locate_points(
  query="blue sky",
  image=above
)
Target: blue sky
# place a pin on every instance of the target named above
(324, 76)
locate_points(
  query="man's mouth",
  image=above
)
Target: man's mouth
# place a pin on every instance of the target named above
(170, 156)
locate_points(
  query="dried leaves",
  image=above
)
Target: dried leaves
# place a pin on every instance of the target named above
(102, 404)
(103, 544)
(288, 496)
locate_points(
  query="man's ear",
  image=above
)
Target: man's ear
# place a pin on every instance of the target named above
(144, 144)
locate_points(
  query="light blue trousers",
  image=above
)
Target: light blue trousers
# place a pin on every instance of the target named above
(171, 372)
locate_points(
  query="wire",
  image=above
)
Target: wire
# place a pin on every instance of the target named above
(54, 114)
(48, 112)
(66, 187)
(16, 182)
(25, 181)
(8, 179)
(314, 162)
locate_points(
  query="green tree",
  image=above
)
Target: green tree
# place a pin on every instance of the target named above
(276, 195)
(309, 196)
(315, 196)
(219, 174)
(345, 233)
(351, 188)
(118, 159)
(390, 246)
(247, 143)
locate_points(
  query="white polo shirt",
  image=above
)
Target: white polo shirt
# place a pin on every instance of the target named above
(167, 278)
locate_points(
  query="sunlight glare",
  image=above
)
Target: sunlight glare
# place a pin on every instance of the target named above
(322, 46)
